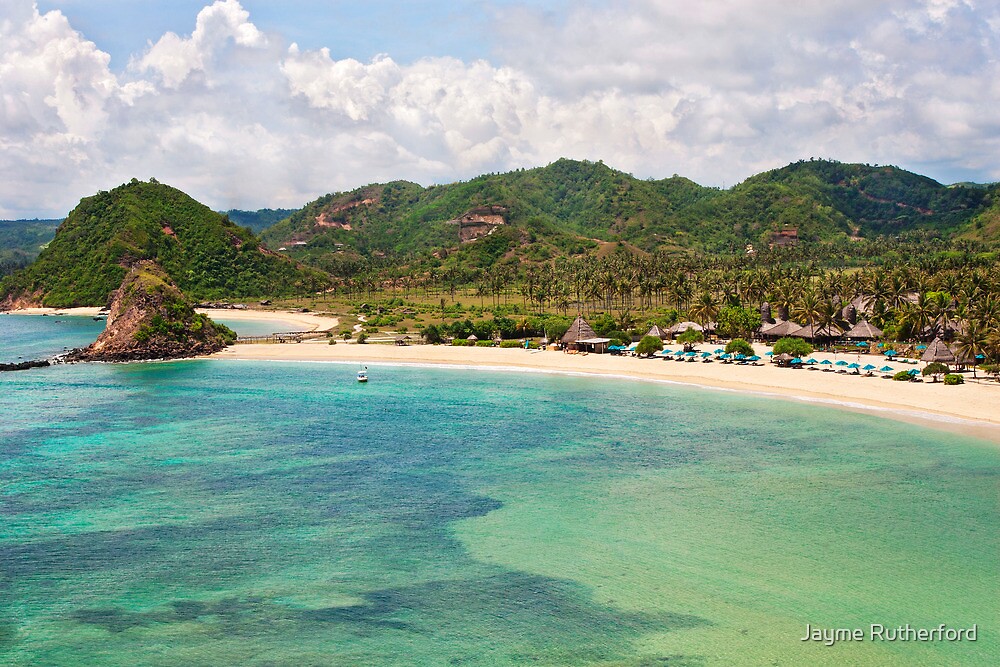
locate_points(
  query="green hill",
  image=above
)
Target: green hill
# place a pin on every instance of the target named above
(22, 240)
(259, 220)
(569, 206)
(204, 253)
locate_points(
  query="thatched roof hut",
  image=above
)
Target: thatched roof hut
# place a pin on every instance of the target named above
(864, 330)
(655, 330)
(939, 351)
(681, 327)
(779, 329)
(813, 332)
(578, 331)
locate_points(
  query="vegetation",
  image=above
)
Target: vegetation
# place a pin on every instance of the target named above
(204, 253)
(740, 346)
(934, 369)
(648, 346)
(953, 379)
(258, 221)
(793, 346)
(21, 241)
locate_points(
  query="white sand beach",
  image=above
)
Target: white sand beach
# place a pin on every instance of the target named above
(972, 408)
(292, 321)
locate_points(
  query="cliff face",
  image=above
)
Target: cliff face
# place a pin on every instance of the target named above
(150, 318)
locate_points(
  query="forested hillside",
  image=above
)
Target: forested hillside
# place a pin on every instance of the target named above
(202, 251)
(570, 207)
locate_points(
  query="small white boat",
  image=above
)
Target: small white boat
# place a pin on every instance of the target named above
(363, 375)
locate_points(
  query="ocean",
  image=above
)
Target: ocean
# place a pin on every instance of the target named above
(255, 513)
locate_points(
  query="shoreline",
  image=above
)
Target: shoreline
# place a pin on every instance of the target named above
(968, 409)
(306, 321)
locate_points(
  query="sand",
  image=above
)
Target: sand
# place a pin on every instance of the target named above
(292, 321)
(972, 408)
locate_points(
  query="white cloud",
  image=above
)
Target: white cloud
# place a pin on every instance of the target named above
(218, 26)
(716, 92)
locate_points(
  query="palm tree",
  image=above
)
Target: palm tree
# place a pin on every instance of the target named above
(705, 309)
(972, 342)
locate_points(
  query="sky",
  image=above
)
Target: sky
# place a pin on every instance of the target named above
(257, 103)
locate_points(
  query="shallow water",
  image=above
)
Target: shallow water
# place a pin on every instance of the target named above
(214, 512)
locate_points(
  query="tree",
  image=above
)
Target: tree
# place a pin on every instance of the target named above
(739, 346)
(648, 346)
(431, 334)
(793, 346)
(738, 321)
(689, 337)
(934, 369)
(971, 343)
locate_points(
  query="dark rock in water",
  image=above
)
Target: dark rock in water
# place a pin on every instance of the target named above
(150, 318)
(25, 365)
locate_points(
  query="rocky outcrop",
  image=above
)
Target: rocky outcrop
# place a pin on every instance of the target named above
(150, 318)
(479, 222)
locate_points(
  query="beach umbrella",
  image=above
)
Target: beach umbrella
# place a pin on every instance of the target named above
(980, 356)
(914, 371)
(719, 351)
(725, 356)
(841, 363)
(810, 360)
(753, 358)
(861, 345)
(886, 369)
(869, 367)
(740, 356)
(691, 353)
(890, 353)
(881, 344)
(705, 355)
(679, 353)
(826, 362)
(796, 360)
(769, 354)
(852, 366)
(921, 347)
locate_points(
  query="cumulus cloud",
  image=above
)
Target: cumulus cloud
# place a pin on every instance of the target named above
(238, 117)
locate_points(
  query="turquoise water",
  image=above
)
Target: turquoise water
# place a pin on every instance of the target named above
(236, 513)
(25, 337)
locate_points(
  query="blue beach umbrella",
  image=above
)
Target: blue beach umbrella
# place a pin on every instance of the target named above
(841, 363)
(890, 353)
(852, 366)
(796, 360)
(679, 353)
(869, 367)
(690, 354)
(706, 355)
(886, 369)
(921, 347)
(769, 354)
(753, 358)
(666, 351)
(740, 356)
(861, 345)
(914, 371)
(719, 351)
(725, 356)
(810, 360)
(826, 362)
(980, 356)
(881, 344)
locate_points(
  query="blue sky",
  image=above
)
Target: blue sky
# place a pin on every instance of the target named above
(405, 30)
(251, 103)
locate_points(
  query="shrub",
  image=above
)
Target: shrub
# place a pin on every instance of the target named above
(648, 345)
(461, 342)
(793, 346)
(952, 379)
(511, 343)
(690, 336)
(934, 368)
(484, 343)
(362, 338)
(902, 376)
(739, 346)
